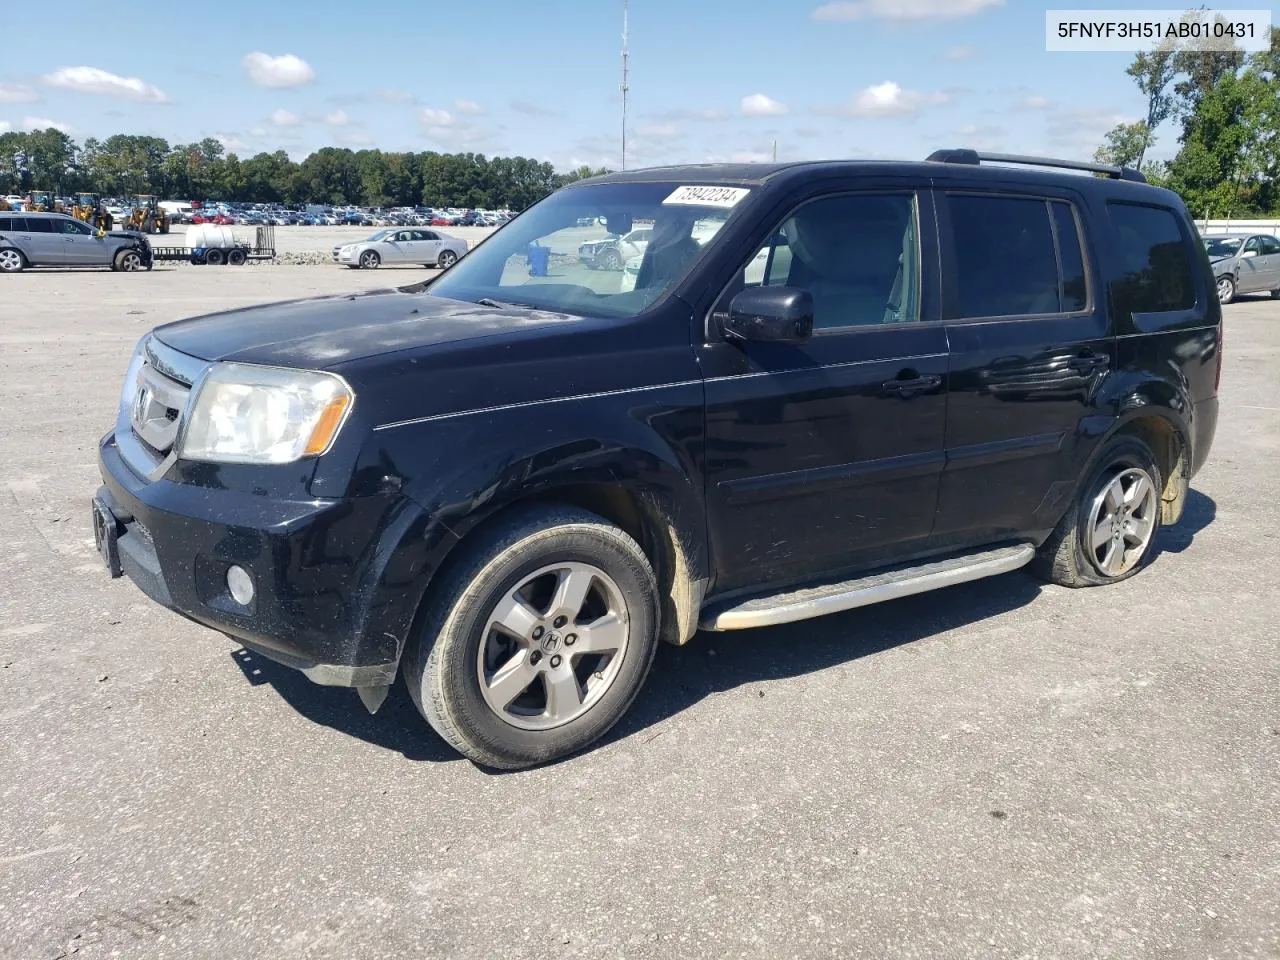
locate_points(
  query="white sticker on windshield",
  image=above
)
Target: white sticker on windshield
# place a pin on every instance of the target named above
(725, 197)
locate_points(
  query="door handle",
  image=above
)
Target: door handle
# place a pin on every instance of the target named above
(909, 387)
(1089, 362)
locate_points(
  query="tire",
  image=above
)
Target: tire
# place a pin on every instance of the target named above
(236, 257)
(369, 260)
(457, 644)
(127, 261)
(446, 259)
(12, 260)
(1226, 290)
(353, 266)
(611, 260)
(1275, 294)
(215, 258)
(1081, 552)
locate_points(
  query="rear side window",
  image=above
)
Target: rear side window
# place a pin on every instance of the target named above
(1155, 272)
(6, 224)
(1007, 257)
(39, 225)
(1269, 245)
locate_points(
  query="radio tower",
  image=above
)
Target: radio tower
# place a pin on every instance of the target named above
(625, 87)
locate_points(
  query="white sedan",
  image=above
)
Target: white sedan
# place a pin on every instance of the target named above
(431, 248)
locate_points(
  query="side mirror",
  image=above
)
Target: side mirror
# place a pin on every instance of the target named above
(770, 314)
(1248, 253)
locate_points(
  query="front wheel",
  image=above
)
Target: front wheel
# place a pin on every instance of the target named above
(215, 258)
(1226, 290)
(446, 259)
(369, 260)
(612, 260)
(128, 261)
(1110, 530)
(538, 641)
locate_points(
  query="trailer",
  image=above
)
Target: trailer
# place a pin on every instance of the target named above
(217, 246)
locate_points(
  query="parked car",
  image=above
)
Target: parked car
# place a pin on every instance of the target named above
(431, 248)
(58, 240)
(1244, 263)
(508, 491)
(612, 252)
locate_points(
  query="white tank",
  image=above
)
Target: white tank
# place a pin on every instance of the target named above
(209, 235)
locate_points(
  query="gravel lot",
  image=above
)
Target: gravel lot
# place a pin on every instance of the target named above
(999, 770)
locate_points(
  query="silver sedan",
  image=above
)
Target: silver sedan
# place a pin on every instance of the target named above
(1244, 263)
(431, 248)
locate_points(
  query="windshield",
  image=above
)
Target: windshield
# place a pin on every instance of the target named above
(1222, 246)
(380, 235)
(571, 252)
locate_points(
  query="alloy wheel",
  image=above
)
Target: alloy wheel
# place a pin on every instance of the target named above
(1122, 519)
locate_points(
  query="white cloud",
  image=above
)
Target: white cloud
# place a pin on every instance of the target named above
(93, 80)
(659, 131)
(962, 52)
(231, 143)
(468, 106)
(258, 132)
(758, 105)
(283, 118)
(435, 118)
(44, 123)
(17, 93)
(902, 9)
(1035, 103)
(888, 99)
(4, 126)
(285, 70)
(337, 119)
(396, 96)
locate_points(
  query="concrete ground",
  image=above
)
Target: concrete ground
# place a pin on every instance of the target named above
(1001, 769)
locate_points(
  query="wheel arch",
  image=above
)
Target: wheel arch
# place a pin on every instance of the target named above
(1168, 438)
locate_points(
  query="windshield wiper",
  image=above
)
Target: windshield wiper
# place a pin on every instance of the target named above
(501, 304)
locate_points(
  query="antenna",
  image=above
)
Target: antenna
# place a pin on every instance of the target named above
(626, 4)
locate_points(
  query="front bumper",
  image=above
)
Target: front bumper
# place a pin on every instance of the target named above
(336, 582)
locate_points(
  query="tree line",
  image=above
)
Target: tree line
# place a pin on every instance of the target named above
(124, 164)
(1226, 107)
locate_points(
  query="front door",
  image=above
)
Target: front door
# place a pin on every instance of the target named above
(79, 246)
(826, 456)
(1030, 342)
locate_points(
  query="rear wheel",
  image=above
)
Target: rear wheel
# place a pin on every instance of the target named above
(611, 260)
(1275, 294)
(236, 258)
(215, 258)
(127, 261)
(1226, 289)
(446, 259)
(1109, 532)
(369, 260)
(538, 641)
(11, 260)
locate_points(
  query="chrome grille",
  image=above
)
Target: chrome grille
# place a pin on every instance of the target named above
(157, 407)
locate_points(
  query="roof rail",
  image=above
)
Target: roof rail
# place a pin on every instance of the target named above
(974, 158)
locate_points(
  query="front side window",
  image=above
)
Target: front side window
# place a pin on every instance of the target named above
(857, 255)
(75, 228)
(1155, 272)
(552, 257)
(1254, 245)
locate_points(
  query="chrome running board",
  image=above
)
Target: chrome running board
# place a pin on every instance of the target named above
(874, 587)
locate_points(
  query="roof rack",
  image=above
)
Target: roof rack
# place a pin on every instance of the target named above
(973, 158)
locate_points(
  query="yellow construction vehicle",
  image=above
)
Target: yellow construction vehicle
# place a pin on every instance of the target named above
(147, 215)
(38, 201)
(90, 208)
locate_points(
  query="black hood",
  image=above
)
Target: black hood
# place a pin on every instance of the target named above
(322, 332)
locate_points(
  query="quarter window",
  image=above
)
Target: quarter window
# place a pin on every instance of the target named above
(1154, 272)
(6, 224)
(858, 256)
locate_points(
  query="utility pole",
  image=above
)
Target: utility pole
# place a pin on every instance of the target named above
(775, 151)
(625, 87)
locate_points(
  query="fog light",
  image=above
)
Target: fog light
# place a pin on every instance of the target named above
(241, 585)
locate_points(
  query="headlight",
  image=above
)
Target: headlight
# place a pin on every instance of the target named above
(245, 413)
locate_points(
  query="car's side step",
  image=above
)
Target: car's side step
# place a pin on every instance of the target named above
(870, 588)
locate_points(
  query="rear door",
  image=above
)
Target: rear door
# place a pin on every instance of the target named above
(39, 242)
(1029, 339)
(429, 243)
(825, 456)
(1269, 254)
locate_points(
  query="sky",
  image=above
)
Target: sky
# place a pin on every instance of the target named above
(710, 80)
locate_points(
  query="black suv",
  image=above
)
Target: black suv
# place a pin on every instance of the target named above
(823, 385)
